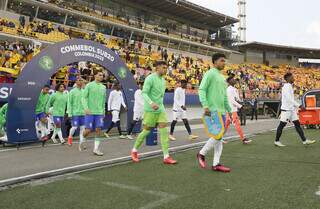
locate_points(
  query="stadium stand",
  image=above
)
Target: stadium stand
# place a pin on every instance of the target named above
(254, 79)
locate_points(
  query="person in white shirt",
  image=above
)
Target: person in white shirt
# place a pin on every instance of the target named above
(289, 112)
(137, 109)
(115, 102)
(179, 110)
(234, 99)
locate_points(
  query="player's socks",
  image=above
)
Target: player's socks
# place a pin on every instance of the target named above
(81, 137)
(96, 150)
(72, 131)
(59, 132)
(218, 146)
(164, 138)
(43, 129)
(207, 147)
(141, 137)
(96, 143)
(53, 137)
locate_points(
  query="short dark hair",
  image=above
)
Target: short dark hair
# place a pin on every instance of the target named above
(96, 72)
(160, 62)
(287, 76)
(58, 86)
(183, 81)
(230, 78)
(46, 86)
(217, 56)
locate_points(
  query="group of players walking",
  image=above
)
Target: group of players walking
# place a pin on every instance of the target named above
(85, 105)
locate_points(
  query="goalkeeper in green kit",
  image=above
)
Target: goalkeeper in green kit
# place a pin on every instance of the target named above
(94, 101)
(154, 113)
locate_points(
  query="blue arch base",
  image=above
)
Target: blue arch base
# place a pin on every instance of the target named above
(26, 90)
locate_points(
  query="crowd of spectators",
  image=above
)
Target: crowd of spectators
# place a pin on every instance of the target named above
(253, 79)
(121, 17)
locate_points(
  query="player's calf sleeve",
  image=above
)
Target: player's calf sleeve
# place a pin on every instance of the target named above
(207, 147)
(279, 130)
(141, 137)
(173, 124)
(72, 131)
(164, 138)
(186, 124)
(299, 130)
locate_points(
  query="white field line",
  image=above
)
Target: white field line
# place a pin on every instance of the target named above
(164, 197)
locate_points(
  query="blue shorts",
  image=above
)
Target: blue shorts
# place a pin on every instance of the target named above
(41, 115)
(94, 121)
(77, 121)
(58, 120)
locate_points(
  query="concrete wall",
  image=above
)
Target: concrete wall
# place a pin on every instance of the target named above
(254, 56)
(280, 59)
(236, 58)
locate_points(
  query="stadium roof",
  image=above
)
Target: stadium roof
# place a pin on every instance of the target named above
(310, 53)
(185, 11)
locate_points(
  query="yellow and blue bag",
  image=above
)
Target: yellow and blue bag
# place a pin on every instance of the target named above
(215, 125)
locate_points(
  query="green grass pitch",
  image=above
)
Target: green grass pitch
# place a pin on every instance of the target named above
(263, 177)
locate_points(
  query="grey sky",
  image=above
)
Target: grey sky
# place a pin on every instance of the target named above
(286, 22)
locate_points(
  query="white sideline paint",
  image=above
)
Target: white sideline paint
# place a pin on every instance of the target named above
(318, 192)
(165, 197)
(90, 166)
(103, 162)
(178, 128)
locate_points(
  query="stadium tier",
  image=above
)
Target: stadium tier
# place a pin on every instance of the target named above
(108, 22)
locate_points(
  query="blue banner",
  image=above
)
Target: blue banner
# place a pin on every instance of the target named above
(26, 90)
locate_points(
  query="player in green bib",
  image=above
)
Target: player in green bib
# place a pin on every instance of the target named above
(3, 120)
(75, 110)
(58, 102)
(154, 113)
(41, 117)
(214, 100)
(94, 102)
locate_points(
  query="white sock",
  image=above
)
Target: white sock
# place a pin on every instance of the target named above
(207, 147)
(218, 146)
(72, 130)
(82, 139)
(166, 156)
(59, 132)
(54, 133)
(96, 145)
(134, 150)
(43, 129)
